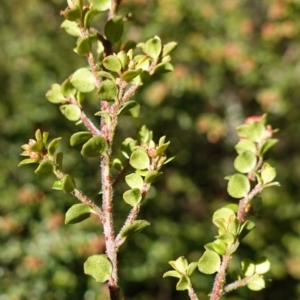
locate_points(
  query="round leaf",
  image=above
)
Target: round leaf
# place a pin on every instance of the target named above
(245, 145)
(168, 48)
(45, 167)
(134, 181)
(99, 267)
(268, 173)
(80, 137)
(130, 108)
(152, 176)
(114, 29)
(108, 90)
(94, 147)
(130, 74)
(78, 213)
(55, 95)
(71, 112)
(209, 262)
(83, 80)
(71, 28)
(245, 162)
(238, 186)
(134, 228)
(153, 47)
(132, 197)
(100, 5)
(256, 283)
(68, 184)
(262, 266)
(83, 46)
(112, 63)
(183, 283)
(53, 146)
(139, 159)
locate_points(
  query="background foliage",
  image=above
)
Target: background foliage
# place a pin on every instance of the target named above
(235, 59)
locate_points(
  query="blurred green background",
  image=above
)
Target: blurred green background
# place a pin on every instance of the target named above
(234, 59)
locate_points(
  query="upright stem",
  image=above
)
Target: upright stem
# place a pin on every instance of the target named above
(192, 293)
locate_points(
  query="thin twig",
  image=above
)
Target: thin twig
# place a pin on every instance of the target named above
(237, 284)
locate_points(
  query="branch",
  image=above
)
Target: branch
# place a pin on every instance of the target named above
(237, 284)
(192, 293)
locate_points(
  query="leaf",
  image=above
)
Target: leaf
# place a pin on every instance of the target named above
(238, 186)
(153, 47)
(73, 14)
(107, 75)
(172, 273)
(71, 28)
(78, 213)
(134, 181)
(132, 197)
(191, 268)
(256, 283)
(262, 265)
(180, 264)
(80, 137)
(104, 115)
(108, 90)
(68, 184)
(245, 162)
(124, 59)
(152, 176)
(114, 29)
(89, 16)
(268, 173)
(55, 94)
(168, 48)
(83, 46)
(248, 267)
(219, 246)
(254, 131)
(209, 263)
(139, 159)
(94, 147)
(27, 161)
(162, 148)
(57, 185)
(112, 63)
(99, 267)
(38, 146)
(59, 159)
(246, 227)
(267, 145)
(83, 80)
(45, 167)
(129, 108)
(183, 283)
(245, 145)
(70, 111)
(163, 67)
(52, 147)
(130, 74)
(67, 88)
(223, 213)
(134, 228)
(100, 5)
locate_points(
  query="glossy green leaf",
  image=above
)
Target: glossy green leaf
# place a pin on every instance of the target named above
(45, 167)
(99, 267)
(172, 273)
(78, 213)
(108, 90)
(183, 283)
(52, 147)
(139, 159)
(245, 145)
(112, 63)
(67, 88)
(209, 263)
(100, 5)
(268, 173)
(80, 137)
(57, 185)
(133, 196)
(256, 283)
(129, 108)
(114, 29)
(70, 111)
(152, 176)
(71, 28)
(134, 181)
(94, 147)
(153, 47)
(89, 16)
(131, 74)
(245, 162)
(68, 184)
(262, 265)
(238, 186)
(83, 80)
(134, 228)
(55, 94)
(83, 46)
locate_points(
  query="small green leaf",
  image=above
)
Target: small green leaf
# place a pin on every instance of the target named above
(268, 173)
(223, 213)
(83, 46)
(172, 273)
(134, 228)
(129, 108)
(67, 88)
(68, 184)
(106, 75)
(180, 264)
(53, 146)
(262, 266)
(55, 95)
(267, 145)
(99, 267)
(134, 181)
(139, 159)
(245, 145)
(254, 131)
(117, 164)
(245, 162)
(80, 137)
(220, 246)
(152, 176)
(209, 263)
(191, 268)
(168, 48)
(83, 80)
(238, 186)
(100, 5)
(131, 74)
(108, 90)
(71, 112)
(256, 283)
(162, 148)
(104, 115)
(246, 227)
(38, 147)
(127, 147)
(78, 213)
(73, 14)
(153, 47)
(94, 147)
(183, 283)
(112, 63)
(248, 267)
(27, 161)
(89, 16)
(133, 196)
(114, 29)
(45, 167)
(57, 185)
(124, 59)
(228, 238)
(71, 28)
(163, 67)
(59, 159)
